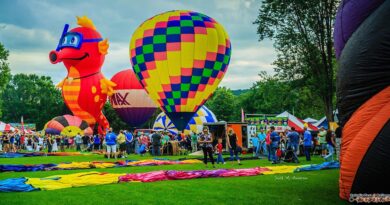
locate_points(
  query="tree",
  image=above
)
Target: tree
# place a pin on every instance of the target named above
(302, 34)
(271, 95)
(33, 97)
(223, 104)
(5, 73)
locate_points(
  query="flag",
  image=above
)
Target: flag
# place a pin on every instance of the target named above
(242, 115)
(22, 124)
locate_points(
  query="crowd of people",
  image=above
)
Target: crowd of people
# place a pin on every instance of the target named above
(275, 145)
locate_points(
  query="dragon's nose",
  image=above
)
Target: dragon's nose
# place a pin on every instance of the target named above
(53, 56)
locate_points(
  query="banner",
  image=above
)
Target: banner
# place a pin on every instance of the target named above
(265, 122)
(27, 126)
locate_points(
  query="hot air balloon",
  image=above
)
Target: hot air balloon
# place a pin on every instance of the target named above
(68, 125)
(362, 45)
(85, 89)
(203, 115)
(130, 100)
(180, 57)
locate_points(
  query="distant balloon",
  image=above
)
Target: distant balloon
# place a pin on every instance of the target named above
(180, 57)
(68, 125)
(204, 115)
(130, 99)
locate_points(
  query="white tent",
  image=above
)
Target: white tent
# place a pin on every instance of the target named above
(310, 120)
(4, 127)
(297, 123)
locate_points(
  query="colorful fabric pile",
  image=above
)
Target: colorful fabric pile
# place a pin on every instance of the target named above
(38, 154)
(176, 175)
(92, 165)
(97, 178)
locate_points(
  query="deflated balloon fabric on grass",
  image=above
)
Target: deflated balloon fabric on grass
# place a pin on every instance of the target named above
(91, 165)
(15, 185)
(97, 178)
(38, 154)
(73, 180)
(314, 167)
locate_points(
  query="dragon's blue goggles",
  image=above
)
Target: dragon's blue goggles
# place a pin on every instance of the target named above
(73, 39)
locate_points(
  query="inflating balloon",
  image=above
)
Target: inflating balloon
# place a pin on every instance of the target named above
(180, 57)
(362, 43)
(68, 125)
(203, 115)
(85, 89)
(130, 99)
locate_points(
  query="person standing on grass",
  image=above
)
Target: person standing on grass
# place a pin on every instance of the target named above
(322, 141)
(96, 142)
(330, 141)
(293, 140)
(194, 142)
(111, 143)
(122, 144)
(49, 143)
(262, 145)
(255, 145)
(275, 140)
(206, 141)
(307, 143)
(219, 148)
(129, 142)
(78, 142)
(156, 144)
(233, 147)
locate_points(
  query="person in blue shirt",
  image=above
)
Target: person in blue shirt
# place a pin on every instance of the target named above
(293, 140)
(263, 146)
(255, 142)
(129, 140)
(307, 143)
(275, 140)
(111, 143)
(96, 142)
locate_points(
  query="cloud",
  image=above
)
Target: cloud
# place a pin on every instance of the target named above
(30, 30)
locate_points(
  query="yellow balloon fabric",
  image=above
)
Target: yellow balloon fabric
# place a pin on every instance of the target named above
(180, 57)
(280, 169)
(73, 180)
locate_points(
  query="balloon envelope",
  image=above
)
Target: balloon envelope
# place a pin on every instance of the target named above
(68, 125)
(204, 115)
(130, 100)
(180, 57)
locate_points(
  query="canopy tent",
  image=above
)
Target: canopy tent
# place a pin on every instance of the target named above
(297, 123)
(4, 127)
(310, 120)
(323, 122)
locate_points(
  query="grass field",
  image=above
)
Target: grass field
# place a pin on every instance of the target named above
(317, 187)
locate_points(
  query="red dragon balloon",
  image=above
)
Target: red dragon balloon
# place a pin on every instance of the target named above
(85, 89)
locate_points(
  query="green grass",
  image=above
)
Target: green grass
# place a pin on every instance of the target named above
(317, 187)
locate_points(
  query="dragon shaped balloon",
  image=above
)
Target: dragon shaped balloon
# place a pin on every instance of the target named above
(85, 89)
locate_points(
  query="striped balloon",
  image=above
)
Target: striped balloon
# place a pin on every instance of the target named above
(68, 125)
(204, 115)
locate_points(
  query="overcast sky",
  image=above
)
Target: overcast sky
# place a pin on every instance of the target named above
(30, 29)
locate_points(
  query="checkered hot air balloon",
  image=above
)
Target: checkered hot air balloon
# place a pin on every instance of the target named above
(204, 115)
(180, 57)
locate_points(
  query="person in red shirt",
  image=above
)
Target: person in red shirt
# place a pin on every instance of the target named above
(219, 148)
(268, 143)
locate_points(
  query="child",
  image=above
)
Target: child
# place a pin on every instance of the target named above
(219, 147)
